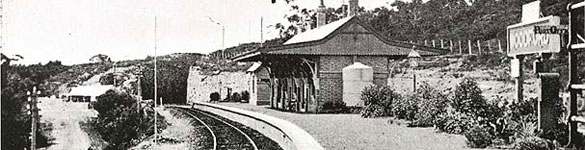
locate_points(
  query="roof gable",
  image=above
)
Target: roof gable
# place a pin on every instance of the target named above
(318, 33)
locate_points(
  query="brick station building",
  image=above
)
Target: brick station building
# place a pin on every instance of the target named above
(306, 71)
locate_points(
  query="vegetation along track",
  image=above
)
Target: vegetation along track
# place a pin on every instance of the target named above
(220, 133)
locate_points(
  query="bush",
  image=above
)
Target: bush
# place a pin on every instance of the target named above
(454, 122)
(533, 143)
(245, 97)
(378, 100)
(405, 108)
(236, 97)
(479, 137)
(467, 99)
(334, 107)
(214, 97)
(119, 122)
(431, 104)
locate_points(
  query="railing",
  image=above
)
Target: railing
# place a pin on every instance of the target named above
(576, 45)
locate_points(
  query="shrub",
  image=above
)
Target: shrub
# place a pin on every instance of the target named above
(467, 99)
(236, 97)
(479, 137)
(378, 100)
(405, 108)
(454, 122)
(334, 107)
(533, 143)
(245, 96)
(431, 103)
(214, 97)
(119, 122)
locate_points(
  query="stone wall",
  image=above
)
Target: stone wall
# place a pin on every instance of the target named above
(200, 86)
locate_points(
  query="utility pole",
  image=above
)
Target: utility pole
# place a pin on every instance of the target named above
(34, 112)
(155, 85)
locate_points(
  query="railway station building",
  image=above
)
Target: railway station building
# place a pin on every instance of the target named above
(328, 64)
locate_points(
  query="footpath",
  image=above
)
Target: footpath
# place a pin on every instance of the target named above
(350, 131)
(64, 117)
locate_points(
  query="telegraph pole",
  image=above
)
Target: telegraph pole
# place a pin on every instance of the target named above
(155, 85)
(34, 112)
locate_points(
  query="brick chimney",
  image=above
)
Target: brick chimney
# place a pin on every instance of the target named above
(353, 7)
(321, 15)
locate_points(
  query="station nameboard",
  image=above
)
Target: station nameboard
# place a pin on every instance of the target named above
(522, 39)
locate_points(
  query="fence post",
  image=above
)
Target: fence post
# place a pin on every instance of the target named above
(478, 47)
(500, 46)
(451, 46)
(442, 43)
(469, 46)
(460, 51)
(434, 45)
(489, 46)
(425, 42)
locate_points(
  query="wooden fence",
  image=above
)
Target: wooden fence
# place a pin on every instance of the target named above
(461, 47)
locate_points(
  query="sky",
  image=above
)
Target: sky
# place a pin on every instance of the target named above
(72, 31)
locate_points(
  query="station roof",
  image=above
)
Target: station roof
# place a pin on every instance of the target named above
(336, 37)
(93, 90)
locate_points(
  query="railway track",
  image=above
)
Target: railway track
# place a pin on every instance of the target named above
(220, 133)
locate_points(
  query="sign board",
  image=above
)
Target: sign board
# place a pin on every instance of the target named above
(530, 11)
(515, 68)
(522, 39)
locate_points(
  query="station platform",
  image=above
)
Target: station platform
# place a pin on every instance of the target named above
(351, 131)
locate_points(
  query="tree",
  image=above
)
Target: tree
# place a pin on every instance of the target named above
(100, 58)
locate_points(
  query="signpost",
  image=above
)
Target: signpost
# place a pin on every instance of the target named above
(523, 40)
(536, 35)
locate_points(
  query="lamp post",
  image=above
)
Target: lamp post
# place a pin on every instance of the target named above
(222, 33)
(413, 58)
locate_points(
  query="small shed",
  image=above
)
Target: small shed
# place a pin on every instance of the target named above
(259, 84)
(87, 93)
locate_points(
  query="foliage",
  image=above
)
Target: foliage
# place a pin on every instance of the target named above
(533, 143)
(479, 137)
(214, 97)
(100, 58)
(16, 80)
(334, 107)
(172, 73)
(431, 104)
(111, 78)
(236, 97)
(245, 96)
(121, 123)
(378, 100)
(467, 99)
(405, 108)
(454, 122)
(419, 20)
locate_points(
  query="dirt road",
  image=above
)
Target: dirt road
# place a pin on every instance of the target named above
(65, 118)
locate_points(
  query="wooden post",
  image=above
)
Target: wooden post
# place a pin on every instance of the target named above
(489, 46)
(434, 45)
(425, 42)
(451, 46)
(442, 43)
(500, 46)
(460, 50)
(469, 46)
(520, 80)
(479, 48)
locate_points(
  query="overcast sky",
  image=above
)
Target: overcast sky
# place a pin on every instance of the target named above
(74, 30)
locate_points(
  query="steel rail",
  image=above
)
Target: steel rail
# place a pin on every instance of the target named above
(186, 111)
(232, 126)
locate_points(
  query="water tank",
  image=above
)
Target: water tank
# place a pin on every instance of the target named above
(355, 78)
